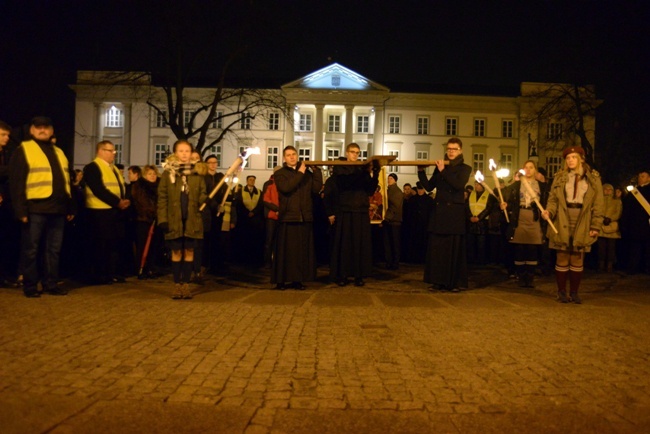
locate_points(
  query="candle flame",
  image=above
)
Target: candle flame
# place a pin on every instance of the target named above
(493, 165)
(479, 176)
(629, 188)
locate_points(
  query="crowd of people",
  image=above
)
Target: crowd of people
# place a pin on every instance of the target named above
(189, 219)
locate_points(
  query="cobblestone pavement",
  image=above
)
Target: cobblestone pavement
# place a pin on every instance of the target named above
(388, 357)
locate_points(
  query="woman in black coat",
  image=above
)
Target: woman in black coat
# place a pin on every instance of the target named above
(446, 260)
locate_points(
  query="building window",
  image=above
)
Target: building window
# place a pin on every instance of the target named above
(507, 161)
(305, 122)
(160, 117)
(394, 169)
(451, 126)
(479, 127)
(114, 117)
(423, 125)
(245, 122)
(479, 162)
(553, 165)
(304, 154)
(118, 153)
(393, 124)
(217, 122)
(334, 123)
(333, 154)
(160, 152)
(187, 119)
(422, 155)
(363, 124)
(506, 128)
(272, 153)
(554, 131)
(274, 121)
(363, 155)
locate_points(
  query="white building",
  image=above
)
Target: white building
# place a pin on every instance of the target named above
(330, 107)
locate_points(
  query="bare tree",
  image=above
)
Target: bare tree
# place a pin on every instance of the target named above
(571, 106)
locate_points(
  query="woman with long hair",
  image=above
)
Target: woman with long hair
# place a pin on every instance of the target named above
(180, 194)
(525, 229)
(575, 205)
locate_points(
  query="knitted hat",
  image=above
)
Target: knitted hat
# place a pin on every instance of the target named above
(608, 186)
(394, 176)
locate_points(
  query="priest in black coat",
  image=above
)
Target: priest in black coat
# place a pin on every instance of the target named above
(446, 260)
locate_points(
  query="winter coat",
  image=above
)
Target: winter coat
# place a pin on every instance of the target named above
(354, 185)
(448, 216)
(295, 191)
(169, 205)
(511, 194)
(613, 209)
(590, 218)
(144, 195)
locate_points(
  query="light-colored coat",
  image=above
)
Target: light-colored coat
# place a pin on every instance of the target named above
(613, 210)
(590, 218)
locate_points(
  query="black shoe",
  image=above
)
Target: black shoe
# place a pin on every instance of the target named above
(342, 282)
(575, 298)
(279, 286)
(119, 279)
(299, 286)
(359, 282)
(57, 291)
(32, 294)
(455, 289)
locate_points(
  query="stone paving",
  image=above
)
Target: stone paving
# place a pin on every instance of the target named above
(388, 357)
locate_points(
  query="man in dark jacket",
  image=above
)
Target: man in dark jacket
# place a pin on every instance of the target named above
(294, 258)
(41, 195)
(9, 229)
(392, 223)
(446, 262)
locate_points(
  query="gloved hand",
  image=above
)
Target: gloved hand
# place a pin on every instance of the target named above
(607, 221)
(164, 226)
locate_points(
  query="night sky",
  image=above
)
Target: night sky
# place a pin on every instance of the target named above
(401, 44)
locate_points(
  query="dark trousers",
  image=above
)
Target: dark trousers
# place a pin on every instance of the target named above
(49, 226)
(392, 243)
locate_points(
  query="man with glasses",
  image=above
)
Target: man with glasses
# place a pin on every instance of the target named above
(105, 204)
(351, 254)
(446, 260)
(41, 195)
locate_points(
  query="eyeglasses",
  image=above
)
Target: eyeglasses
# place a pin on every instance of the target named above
(453, 149)
(109, 150)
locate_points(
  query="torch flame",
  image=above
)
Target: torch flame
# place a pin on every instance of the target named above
(503, 173)
(493, 165)
(629, 188)
(479, 176)
(522, 171)
(247, 153)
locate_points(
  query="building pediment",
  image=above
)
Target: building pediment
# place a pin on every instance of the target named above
(334, 77)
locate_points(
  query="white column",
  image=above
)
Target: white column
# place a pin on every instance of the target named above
(378, 132)
(318, 133)
(349, 124)
(289, 136)
(126, 136)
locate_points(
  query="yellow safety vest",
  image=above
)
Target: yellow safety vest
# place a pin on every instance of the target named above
(250, 201)
(39, 177)
(477, 206)
(110, 182)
